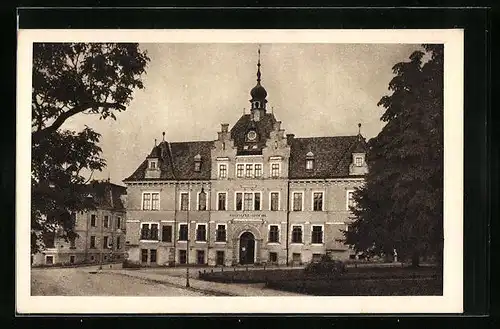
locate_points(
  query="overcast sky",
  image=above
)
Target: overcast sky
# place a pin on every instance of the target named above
(190, 89)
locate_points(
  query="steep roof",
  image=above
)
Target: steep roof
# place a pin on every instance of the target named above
(176, 161)
(263, 127)
(107, 195)
(332, 156)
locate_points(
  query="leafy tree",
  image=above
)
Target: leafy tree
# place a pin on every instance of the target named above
(400, 206)
(73, 79)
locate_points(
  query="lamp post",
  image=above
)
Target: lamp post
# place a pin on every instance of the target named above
(102, 243)
(187, 238)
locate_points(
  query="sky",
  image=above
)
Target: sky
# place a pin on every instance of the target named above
(190, 89)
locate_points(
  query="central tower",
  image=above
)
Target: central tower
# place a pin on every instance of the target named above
(258, 94)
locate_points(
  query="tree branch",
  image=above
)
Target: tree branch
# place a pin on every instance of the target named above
(40, 134)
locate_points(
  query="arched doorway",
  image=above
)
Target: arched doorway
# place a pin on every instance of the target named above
(247, 248)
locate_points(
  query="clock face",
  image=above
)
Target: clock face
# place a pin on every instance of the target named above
(252, 135)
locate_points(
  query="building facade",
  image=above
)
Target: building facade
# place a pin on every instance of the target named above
(254, 195)
(100, 233)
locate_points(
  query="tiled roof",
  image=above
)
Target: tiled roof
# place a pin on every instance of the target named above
(332, 156)
(176, 161)
(107, 195)
(263, 127)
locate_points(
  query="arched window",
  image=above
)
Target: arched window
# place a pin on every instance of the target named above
(309, 161)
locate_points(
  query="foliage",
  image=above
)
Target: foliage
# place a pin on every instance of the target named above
(401, 204)
(73, 79)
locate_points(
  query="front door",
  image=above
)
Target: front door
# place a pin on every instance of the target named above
(247, 248)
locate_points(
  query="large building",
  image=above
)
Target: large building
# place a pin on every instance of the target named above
(254, 195)
(100, 232)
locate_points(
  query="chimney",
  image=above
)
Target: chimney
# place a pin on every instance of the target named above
(289, 138)
(224, 127)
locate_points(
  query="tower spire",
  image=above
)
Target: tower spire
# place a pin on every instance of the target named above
(258, 67)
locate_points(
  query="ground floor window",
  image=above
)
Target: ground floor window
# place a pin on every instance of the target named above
(296, 257)
(72, 259)
(200, 257)
(273, 257)
(49, 260)
(219, 260)
(316, 257)
(152, 256)
(92, 258)
(182, 256)
(144, 255)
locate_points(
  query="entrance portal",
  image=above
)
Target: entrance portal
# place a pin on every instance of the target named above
(247, 248)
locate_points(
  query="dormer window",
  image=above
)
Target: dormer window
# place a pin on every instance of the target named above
(309, 161)
(197, 163)
(153, 164)
(358, 160)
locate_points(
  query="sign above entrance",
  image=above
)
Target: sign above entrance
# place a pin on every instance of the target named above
(248, 216)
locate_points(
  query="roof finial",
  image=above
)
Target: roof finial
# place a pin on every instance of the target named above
(155, 141)
(163, 133)
(258, 66)
(272, 109)
(359, 128)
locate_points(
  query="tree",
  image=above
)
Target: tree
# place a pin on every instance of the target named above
(400, 206)
(73, 79)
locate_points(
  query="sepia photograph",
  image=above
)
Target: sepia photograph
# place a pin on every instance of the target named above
(251, 167)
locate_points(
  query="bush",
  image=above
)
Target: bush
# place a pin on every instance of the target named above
(128, 264)
(326, 265)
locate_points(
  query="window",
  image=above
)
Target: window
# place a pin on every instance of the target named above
(221, 201)
(152, 255)
(149, 232)
(317, 234)
(200, 257)
(275, 170)
(258, 170)
(183, 232)
(256, 201)
(152, 164)
(118, 244)
(118, 222)
(146, 201)
(202, 201)
(273, 257)
(144, 255)
(72, 259)
(201, 232)
(239, 197)
(184, 201)
(318, 201)
(92, 241)
(358, 161)
(247, 203)
(222, 171)
(93, 221)
(155, 204)
(182, 256)
(105, 244)
(150, 201)
(249, 171)
(316, 257)
(197, 166)
(297, 201)
(296, 234)
(350, 200)
(166, 233)
(92, 258)
(220, 235)
(309, 164)
(239, 170)
(296, 257)
(106, 221)
(49, 260)
(274, 204)
(219, 260)
(274, 234)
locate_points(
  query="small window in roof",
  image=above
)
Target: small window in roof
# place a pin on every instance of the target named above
(197, 162)
(310, 154)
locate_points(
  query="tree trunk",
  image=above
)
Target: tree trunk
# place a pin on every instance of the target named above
(415, 259)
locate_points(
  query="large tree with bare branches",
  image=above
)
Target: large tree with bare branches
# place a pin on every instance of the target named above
(73, 79)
